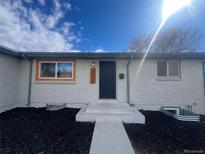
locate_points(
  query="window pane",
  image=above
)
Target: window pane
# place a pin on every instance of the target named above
(173, 68)
(161, 68)
(64, 70)
(48, 69)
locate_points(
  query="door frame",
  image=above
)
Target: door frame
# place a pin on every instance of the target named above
(116, 81)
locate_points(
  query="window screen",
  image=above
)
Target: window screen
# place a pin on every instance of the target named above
(173, 68)
(161, 68)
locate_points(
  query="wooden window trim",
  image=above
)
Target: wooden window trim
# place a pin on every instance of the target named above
(39, 61)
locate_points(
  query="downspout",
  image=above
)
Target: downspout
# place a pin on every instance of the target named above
(128, 80)
(30, 83)
(29, 80)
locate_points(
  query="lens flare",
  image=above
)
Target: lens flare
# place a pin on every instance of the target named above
(148, 48)
(169, 8)
(172, 6)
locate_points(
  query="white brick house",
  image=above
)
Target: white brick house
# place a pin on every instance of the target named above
(38, 78)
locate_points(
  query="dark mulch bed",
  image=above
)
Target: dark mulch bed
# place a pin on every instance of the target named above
(31, 130)
(202, 118)
(164, 135)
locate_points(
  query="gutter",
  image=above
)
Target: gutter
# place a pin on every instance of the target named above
(128, 80)
(10, 52)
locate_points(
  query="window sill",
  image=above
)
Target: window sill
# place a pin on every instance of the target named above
(54, 82)
(169, 78)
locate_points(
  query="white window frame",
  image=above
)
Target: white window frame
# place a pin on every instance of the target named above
(56, 70)
(168, 77)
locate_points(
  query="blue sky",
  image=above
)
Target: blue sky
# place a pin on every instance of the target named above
(112, 24)
(81, 25)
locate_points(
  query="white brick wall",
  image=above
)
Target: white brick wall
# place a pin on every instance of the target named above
(149, 93)
(80, 91)
(146, 91)
(121, 83)
(23, 82)
(9, 82)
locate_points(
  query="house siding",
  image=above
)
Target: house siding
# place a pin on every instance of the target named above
(149, 93)
(23, 82)
(76, 92)
(146, 92)
(9, 82)
(121, 83)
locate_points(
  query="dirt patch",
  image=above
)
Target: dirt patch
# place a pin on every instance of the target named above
(32, 130)
(163, 134)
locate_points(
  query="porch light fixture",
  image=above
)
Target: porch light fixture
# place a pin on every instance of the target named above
(93, 64)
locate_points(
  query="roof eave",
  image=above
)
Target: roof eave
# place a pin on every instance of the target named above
(103, 55)
(9, 52)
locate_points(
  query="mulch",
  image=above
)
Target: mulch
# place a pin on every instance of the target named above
(164, 135)
(38, 131)
(202, 118)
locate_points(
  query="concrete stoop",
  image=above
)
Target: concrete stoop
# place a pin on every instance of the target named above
(110, 137)
(122, 111)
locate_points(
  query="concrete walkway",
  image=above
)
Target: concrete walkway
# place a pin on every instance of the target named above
(110, 137)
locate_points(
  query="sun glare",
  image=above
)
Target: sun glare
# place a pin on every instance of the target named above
(172, 6)
(169, 8)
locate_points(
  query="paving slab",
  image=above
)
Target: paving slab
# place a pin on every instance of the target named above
(110, 137)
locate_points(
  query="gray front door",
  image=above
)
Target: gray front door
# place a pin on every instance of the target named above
(107, 79)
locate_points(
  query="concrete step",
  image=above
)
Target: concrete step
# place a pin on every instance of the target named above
(109, 108)
(107, 101)
(126, 113)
